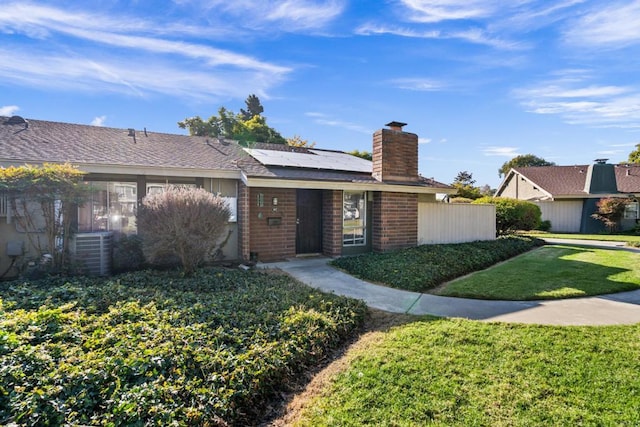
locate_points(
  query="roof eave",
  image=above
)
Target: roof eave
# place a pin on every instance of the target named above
(341, 185)
(115, 169)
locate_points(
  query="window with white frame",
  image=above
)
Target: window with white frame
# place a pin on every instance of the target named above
(354, 214)
(632, 210)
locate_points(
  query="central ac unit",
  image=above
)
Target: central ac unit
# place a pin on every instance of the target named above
(93, 252)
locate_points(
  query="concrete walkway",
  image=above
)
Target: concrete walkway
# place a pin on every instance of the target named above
(620, 308)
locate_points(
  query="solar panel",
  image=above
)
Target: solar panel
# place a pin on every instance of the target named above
(318, 159)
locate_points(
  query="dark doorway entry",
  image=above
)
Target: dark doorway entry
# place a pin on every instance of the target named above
(309, 221)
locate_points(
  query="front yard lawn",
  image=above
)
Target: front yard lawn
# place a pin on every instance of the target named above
(155, 348)
(550, 272)
(456, 372)
(629, 238)
(425, 267)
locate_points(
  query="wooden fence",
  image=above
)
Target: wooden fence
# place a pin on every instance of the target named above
(455, 223)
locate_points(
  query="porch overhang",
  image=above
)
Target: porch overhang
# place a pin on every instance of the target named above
(342, 185)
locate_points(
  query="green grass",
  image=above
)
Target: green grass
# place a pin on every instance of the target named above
(155, 348)
(556, 271)
(604, 237)
(463, 373)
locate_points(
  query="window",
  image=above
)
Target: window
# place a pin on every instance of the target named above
(354, 213)
(228, 190)
(631, 211)
(4, 204)
(111, 207)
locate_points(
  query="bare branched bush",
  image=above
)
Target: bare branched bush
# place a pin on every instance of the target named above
(182, 223)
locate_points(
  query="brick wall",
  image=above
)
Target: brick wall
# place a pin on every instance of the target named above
(395, 155)
(332, 222)
(272, 242)
(395, 221)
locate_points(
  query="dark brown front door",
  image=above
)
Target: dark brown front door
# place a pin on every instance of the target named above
(309, 221)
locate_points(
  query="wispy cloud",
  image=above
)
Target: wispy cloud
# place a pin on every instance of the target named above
(8, 110)
(211, 72)
(500, 151)
(274, 15)
(418, 84)
(429, 11)
(326, 120)
(579, 101)
(472, 35)
(98, 121)
(424, 140)
(613, 25)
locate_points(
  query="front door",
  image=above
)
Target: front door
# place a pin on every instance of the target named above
(309, 221)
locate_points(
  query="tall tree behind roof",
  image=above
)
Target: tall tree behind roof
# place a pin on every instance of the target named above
(523, 160)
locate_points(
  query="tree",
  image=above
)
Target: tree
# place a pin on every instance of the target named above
(463, 183)
(464, 178)
(523, 161)
(183, 223)
(362, 154)
(297, 141)
(43, 201)
(246, 127)
(610, 211)
(634, 156)
(254, 108)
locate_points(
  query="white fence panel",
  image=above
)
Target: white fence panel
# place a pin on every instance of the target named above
(565, 216)
(455, 223)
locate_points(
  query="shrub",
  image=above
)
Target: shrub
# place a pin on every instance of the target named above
(457, 199)
(127, 254)
(610, 211)
(513, 214)
(544, 225)
(183, 223)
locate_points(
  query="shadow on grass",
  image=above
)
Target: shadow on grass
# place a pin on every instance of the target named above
(549, 273)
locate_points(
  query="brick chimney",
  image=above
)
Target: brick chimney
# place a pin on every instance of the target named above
(395, 154)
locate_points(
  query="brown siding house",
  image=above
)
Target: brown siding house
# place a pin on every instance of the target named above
(568, 195)
(286, 201)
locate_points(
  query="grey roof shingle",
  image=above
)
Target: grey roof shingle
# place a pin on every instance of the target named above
(570, 180)
(82, 144)
(45, 141)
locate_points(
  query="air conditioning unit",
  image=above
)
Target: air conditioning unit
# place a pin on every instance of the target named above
(93, 252)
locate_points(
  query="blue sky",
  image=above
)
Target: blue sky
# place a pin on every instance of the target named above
(479, 81)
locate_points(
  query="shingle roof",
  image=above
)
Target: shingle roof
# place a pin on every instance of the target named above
(570, 180)
(628, 178)
(82, 144)
(557, 180)
(39, 141)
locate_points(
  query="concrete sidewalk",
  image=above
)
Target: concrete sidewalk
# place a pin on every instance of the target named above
(621, 308)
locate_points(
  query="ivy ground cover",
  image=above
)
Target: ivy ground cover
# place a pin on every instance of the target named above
(425, 267)
(154, 348)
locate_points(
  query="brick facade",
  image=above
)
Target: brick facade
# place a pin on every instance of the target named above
(272, 228)
(395, 156)
(395, 221)
(332, 223)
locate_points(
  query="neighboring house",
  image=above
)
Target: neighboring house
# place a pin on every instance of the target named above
(286, 201)
(567, 195)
